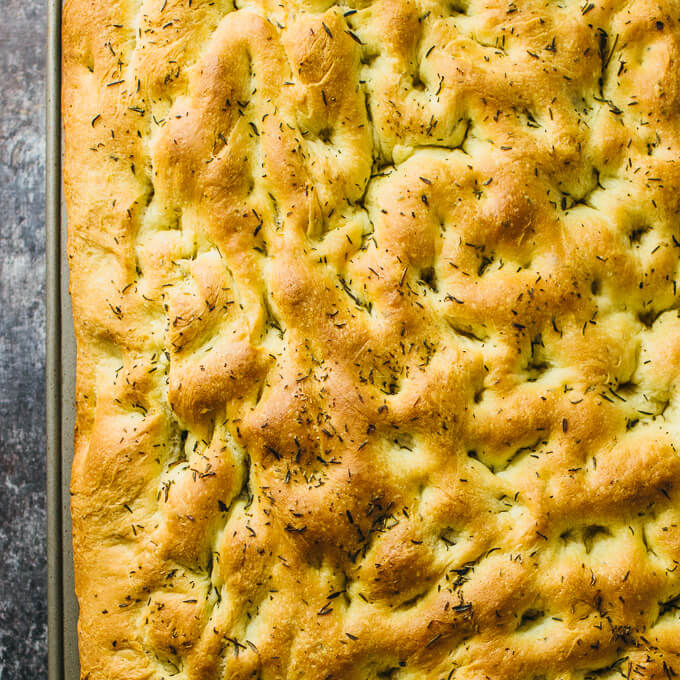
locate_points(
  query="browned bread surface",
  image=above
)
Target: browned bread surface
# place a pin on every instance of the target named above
(378, 338)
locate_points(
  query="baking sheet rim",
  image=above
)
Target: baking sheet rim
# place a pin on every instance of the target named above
(62, 609)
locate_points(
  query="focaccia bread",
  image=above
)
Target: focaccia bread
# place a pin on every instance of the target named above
(378, 338)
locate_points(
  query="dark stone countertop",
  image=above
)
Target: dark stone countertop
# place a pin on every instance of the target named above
(23, 606)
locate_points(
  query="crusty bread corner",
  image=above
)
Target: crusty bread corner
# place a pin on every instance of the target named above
(378, 338)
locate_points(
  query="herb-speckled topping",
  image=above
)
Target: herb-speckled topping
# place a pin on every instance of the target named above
(378, 338)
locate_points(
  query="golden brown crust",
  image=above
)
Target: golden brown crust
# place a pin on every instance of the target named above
(378, 340)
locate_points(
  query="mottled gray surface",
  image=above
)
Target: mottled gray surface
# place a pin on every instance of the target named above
(23, 628)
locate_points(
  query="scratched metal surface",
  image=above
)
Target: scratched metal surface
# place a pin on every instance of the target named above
(23, 616)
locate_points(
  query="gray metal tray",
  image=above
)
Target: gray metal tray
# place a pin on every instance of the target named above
(62, 611)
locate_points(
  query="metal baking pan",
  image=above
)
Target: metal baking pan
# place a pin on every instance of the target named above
(62, 609)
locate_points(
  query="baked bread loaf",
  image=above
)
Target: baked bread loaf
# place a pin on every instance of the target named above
(378, 338)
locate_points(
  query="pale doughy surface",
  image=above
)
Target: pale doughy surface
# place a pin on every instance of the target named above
(378, 338)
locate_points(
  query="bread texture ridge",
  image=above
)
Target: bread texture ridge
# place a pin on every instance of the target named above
(378, 338)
